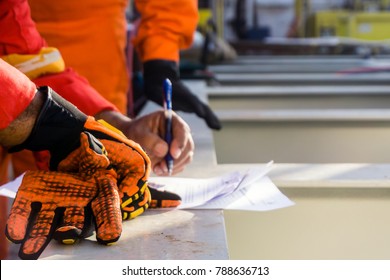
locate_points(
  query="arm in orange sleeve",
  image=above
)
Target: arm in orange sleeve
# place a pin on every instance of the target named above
(165, 28)
(77, 90)
(17, 30)
(16, 93)
(20, 40)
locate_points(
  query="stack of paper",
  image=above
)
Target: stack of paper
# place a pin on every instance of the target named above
(251, 190)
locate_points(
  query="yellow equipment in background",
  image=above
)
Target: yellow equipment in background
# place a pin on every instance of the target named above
(358, 25)
(363, 20)
(205, 15)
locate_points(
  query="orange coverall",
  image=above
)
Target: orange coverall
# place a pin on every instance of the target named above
(91, 36)
(18, 35)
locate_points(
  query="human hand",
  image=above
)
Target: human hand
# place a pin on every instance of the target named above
(149, 131)
(155, 72)
(58, 204)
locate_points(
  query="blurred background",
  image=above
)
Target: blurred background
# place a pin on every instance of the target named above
(301, 82)
(262, 26)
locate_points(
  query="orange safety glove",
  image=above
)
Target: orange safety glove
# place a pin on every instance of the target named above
(59, 204)
(58, 129)
(131, 164)
(156, 199)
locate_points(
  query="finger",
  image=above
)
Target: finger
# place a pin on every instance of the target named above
(130, 166)
(182, 137)
(155, 145)
(107, 212)
(87, 158)
(133, 207)
(18, 219)
(148, 131)
(41, 232)
(160, 168)
(164, 199)
(138, 206)
(181, 164)
(71, 228)
(127, 201)
(185, 154)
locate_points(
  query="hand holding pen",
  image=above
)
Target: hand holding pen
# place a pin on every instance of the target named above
(168, 119)
(150, 132)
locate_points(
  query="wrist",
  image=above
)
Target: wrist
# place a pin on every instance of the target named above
(19, 129)
(57, 127)
(160, 69)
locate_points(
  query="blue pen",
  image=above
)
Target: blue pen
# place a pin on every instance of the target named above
(168, 123)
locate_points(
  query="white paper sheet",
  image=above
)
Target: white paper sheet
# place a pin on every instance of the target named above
(9, 189)
(195, 192)
(263, 195)
(252, 191)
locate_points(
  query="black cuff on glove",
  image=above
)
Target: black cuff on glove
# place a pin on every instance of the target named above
(56, 129)
(155, 72)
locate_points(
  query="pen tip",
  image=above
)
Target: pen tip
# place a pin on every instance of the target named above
(170, 168)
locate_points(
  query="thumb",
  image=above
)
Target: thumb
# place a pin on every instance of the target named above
(155, 146)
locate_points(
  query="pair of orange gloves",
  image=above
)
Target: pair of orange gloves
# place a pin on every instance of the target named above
(97, 177)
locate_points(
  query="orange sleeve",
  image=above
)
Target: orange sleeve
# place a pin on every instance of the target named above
(18, 33)
(17, 92)
(76, 90)
(166, 27)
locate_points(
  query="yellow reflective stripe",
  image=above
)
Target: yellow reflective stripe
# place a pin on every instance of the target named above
(129, 200)
(110, 127)
(47, 61)
(124, 215)
(137, 212)
(133, 212)
(68, 241)
(144, 187)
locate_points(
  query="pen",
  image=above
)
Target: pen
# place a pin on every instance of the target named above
(168, 122)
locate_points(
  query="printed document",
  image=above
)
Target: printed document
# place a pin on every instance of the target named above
(251, 190)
